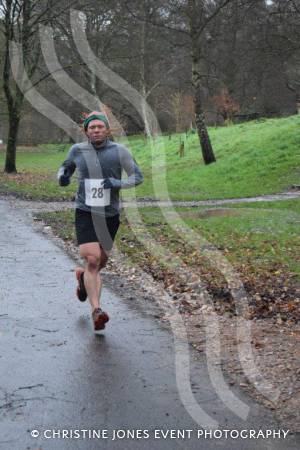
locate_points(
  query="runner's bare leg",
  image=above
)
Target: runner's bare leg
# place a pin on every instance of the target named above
(91, 252)
(96, 258)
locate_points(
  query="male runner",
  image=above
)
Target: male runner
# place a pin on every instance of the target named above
(99, 163)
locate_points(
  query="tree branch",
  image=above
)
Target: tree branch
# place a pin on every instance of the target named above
(54, 71)
(160, 25)
(213, 15)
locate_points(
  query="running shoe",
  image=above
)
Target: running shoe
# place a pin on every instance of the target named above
(80, 291)
(99, 318)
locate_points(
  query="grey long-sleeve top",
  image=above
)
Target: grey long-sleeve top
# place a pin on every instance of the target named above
(95, 164)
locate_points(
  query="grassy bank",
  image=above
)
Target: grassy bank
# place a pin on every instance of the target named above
(262, 244)
(259, 157)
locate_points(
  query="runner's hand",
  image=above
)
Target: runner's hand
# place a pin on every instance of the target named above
(63, 178)
(111, 183)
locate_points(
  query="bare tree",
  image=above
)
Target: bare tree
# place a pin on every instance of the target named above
(155, 61)
(284, 18)
(191, 19)
(21, 19)
(161, 47)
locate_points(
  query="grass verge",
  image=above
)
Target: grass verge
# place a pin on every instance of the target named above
(262, 245)
(254, 158)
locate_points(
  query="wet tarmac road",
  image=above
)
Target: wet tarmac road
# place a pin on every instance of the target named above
(57, 374)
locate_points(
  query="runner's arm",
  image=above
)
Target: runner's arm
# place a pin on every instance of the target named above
(134, 174)
(67, 169)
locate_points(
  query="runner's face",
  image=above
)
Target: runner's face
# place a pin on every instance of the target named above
(97, 131)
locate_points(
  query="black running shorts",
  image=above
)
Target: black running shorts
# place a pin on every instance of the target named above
(95, 228)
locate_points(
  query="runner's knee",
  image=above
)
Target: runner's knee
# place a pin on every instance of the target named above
(93, 262)
(103, 259)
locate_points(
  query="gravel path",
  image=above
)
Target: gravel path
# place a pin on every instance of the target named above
(262, 198)
(61, 206)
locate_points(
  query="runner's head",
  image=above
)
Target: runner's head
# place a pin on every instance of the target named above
(96, 127)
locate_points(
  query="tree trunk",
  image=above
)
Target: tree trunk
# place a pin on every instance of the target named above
(194, 24)
(206, 147)
(143, 64)
(11, 149)
(14, 97)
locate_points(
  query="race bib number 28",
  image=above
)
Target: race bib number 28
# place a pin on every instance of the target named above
(95, 194)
